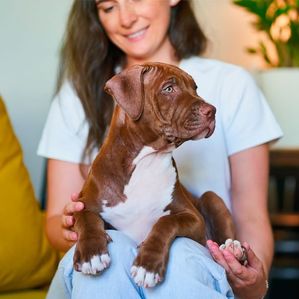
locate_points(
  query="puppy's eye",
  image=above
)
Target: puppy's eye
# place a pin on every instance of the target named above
(168, 89)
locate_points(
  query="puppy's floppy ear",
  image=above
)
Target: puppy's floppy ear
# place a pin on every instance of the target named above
(127, 90)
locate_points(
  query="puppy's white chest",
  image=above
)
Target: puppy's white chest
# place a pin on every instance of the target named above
(148, 192)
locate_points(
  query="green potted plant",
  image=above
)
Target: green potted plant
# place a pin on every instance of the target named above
(279, 20)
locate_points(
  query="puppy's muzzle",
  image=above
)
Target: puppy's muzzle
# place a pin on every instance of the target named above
(201, 120)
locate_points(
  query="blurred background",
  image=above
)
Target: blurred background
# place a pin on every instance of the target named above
(31, 33)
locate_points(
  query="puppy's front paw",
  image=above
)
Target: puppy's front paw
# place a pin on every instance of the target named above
(91, 256)
(235, 247)
(149, 266)
(94, 265)
(144, 278)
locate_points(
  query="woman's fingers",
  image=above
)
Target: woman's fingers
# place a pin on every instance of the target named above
(72, 207)
(247, 281)
(235, 271)
(217, 254)
(67, 221)
(69, 235)
(244, 272)
(235, 267)
(67, 218)
(253, 260)
(74, 196)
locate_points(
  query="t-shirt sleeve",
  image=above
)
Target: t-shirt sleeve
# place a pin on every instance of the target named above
(66, 129)
(247, 118)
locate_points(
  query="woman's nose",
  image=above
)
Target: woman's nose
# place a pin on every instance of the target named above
(127, 15)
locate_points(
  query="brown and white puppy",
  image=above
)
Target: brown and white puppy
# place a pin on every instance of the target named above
(133, 183)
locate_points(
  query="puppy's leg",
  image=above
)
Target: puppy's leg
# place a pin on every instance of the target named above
(91, 253)
(219, 224)
(218, 219)
(150, 264)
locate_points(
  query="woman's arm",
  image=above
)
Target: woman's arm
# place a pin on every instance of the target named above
(64, 179)
(249, 170)
(250, 177)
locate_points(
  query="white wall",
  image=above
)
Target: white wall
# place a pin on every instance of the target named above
(30, 36)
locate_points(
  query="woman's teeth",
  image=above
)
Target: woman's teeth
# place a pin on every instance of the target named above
(136, 34)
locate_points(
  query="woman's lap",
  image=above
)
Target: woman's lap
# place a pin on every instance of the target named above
(191, 273)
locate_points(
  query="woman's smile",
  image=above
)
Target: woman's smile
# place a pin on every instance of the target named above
(137, 35)
(138, 28)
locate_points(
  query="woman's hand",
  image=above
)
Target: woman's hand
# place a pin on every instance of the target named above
(68, 219)
(248, 281)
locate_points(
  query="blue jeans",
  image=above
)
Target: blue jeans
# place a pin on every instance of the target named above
(191, 273)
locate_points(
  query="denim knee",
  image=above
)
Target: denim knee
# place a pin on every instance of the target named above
(182, 248)
(122, 249)
(191, 261)
(185, 252)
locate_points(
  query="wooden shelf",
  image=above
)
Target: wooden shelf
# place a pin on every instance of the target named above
(284, 158)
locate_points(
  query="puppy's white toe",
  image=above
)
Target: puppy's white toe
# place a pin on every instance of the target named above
(149, 280)
(96, 264)
(237, 244)
(228, 242)
(139, 275)
(144, 278)
(134, 271)
(222, 247)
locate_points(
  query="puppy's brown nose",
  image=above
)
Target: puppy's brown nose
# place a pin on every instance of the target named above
(208, 110)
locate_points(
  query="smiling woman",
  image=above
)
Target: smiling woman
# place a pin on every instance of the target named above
(102, 38)
(139, 29)
(89, 39)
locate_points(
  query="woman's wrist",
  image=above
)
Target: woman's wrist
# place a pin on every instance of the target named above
(267, 285)
(266, 274)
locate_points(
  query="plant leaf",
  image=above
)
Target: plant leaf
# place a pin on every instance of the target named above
(251, 50)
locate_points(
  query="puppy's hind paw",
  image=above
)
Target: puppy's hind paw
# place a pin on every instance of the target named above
(235, 247)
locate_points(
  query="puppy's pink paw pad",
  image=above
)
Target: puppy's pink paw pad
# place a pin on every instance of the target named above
(235, 247)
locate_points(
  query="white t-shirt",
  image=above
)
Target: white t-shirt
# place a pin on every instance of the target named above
(243, 120)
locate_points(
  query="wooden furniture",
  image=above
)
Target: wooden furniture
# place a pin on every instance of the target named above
(284, 275)
(284, 164)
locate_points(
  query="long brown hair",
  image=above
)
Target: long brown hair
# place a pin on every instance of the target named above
(89, 58)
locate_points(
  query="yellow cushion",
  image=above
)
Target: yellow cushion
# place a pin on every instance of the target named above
(26, 258)
(28, 294)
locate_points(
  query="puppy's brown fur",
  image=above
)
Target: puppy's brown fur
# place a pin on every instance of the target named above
(157, 107)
